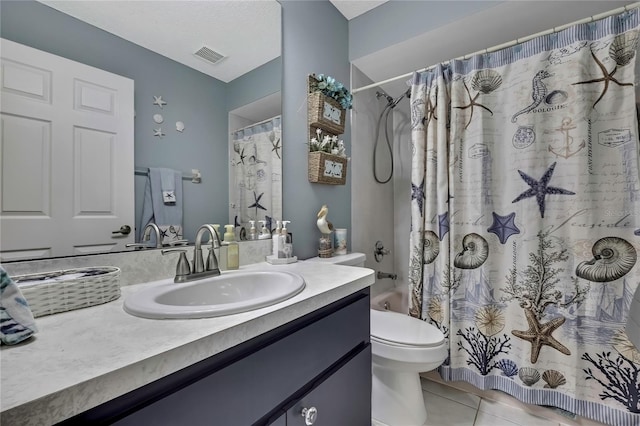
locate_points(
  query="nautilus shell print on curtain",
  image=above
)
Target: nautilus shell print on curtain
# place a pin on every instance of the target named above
(475, 251)
(431, 246)
(613, 258)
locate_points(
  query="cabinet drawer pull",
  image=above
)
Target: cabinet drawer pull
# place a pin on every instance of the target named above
(310, 415)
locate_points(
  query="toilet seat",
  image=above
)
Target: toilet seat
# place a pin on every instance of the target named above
(395, 329)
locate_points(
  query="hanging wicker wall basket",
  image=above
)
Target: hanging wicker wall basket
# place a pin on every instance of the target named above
(325, 112)
(327, 168)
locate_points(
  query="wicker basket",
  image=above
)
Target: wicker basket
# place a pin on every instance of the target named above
(327, 168)
(61, 291)
(316, 106)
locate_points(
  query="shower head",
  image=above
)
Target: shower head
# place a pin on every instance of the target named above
(384, 95)
(395, 102)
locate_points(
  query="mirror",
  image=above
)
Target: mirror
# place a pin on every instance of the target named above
(201, 111)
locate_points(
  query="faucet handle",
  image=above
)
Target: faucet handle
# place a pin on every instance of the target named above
(182, 268)
(212, 260)
(137, 245)
(178, 243)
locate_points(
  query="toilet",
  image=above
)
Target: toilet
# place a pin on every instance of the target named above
(402, 347)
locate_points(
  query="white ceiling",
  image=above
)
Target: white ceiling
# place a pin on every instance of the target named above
(178, 28)
(247, 32)
(352, 8)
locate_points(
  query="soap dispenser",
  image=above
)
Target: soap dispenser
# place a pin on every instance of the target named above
(286, 244)
(216, 227)
(233, 261)
(277, 248)
(264, 232)
(253, 233)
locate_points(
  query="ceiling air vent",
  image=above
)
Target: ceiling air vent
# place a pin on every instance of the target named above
(209, 55)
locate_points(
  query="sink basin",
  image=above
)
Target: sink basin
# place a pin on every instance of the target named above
(229, 293)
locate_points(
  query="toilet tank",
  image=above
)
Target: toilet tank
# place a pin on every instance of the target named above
(349, 259)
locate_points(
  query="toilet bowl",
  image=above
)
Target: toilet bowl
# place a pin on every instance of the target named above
(402, 347)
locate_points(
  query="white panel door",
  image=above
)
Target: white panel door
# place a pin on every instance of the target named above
(66, 156)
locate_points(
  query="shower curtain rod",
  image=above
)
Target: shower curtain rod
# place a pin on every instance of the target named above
(508, 44)
(266, 120)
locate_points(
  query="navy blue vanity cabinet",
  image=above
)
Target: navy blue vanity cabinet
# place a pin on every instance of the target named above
(320, 361)
(338, 400)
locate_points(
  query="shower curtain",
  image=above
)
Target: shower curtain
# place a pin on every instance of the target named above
(525, 217)
(256, 164)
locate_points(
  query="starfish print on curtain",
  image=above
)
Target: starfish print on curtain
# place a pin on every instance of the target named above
(540, 188)
(539, 335)
(622, 51)
(417, 193)
(504, 226)
(257, 204)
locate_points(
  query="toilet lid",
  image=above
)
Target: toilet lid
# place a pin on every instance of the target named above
(402, 329)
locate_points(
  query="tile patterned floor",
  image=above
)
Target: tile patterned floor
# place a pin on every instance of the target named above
(449, 406)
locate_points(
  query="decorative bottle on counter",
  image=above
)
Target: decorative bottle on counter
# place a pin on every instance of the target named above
(253, 232)
(276, 244)
(233, 250)
(286, 244)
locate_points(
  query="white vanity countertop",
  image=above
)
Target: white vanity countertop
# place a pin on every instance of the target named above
(83, 358)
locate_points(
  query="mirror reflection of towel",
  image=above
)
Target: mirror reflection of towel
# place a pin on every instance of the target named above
(167, 183)
(168, 216)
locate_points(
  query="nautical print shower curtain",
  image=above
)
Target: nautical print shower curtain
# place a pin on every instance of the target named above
(526, 217)
(256, 170)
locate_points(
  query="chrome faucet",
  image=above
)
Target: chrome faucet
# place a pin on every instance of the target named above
(146, 234)
(184, 271)
(382, 275)
(212, 260)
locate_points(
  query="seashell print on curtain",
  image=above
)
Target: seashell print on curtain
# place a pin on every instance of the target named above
(525, 226)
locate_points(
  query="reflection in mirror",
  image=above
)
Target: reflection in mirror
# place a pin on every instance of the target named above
(255, 173)
(184, 114)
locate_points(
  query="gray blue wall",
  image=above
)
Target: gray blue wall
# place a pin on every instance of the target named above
(315, 40)
(256, 84)
(200, 101)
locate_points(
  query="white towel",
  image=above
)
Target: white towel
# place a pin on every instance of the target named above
(16, 319)
(167, 183)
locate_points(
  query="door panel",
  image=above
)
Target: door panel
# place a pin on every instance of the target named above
(26, 159)
(67, 155)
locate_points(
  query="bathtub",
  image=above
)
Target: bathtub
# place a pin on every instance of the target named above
(392, 300)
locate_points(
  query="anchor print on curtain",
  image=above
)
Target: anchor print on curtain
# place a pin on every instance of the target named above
(525, 226)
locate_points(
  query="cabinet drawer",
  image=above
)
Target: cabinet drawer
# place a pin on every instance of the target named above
(265, 377)
(344, 398)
